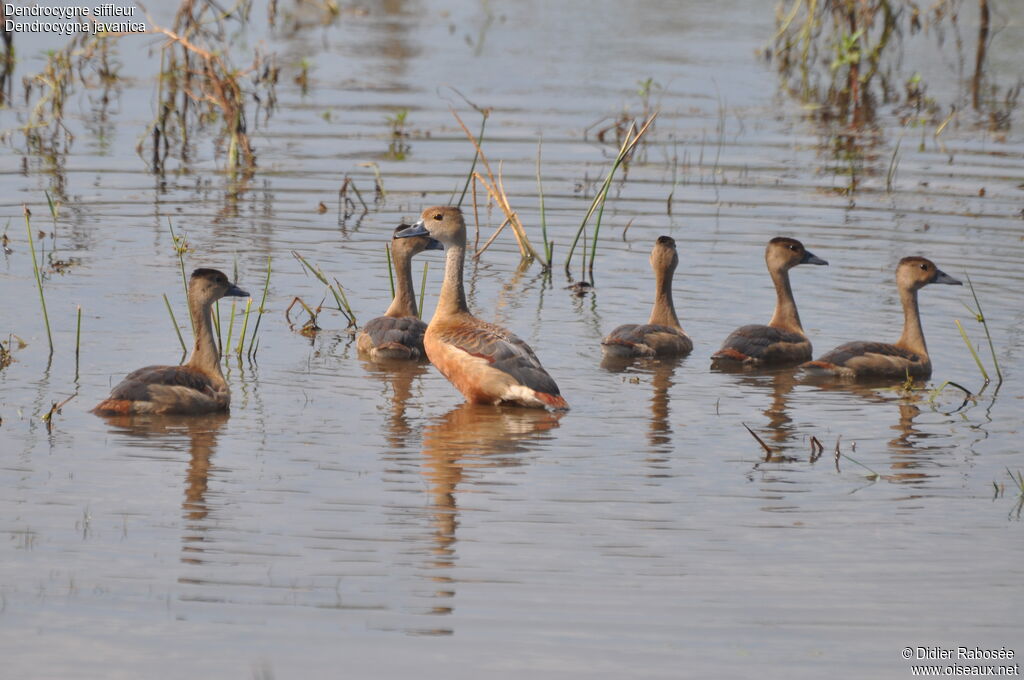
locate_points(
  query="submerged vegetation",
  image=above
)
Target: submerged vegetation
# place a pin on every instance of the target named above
(845, 58)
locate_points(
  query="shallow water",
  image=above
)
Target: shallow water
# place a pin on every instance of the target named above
(359, 517)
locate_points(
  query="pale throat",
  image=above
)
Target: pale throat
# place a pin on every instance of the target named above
(404, 303)
(785, 317)
(664, 311)
(205, 356)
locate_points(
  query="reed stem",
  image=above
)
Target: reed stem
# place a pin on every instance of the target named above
(391, 274)
(39, 279)
(259, 315)
(423, 287)
(476, 155)
(970, 347)
(174, 322)
(78, 340)
(984, 323)
(245, 326)
(543, 213)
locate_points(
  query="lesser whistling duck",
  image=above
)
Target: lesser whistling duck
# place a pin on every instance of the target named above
(399, 333)
(909, 356)
(783, 340)
(197, 386)
(661, 335)
(487, 363)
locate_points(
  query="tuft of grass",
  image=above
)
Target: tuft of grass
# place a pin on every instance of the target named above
(629, 143)
(335, 288)
(39, 279)
(496, 189)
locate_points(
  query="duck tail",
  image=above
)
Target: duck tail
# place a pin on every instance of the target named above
(729, 354)
(555, 401)
(111, 407)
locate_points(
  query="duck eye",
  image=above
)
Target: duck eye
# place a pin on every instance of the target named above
(792, 247)
(437, 217)
(924, 267)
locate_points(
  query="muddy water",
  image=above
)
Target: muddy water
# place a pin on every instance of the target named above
(359, 518)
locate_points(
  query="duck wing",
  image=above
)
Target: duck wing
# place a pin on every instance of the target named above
(755, 341)
(139, 385)
(647, 339)
(842, 355)
(504, 351)
(388, 330)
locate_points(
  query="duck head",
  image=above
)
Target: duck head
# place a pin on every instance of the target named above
(784, 253)
(441, 223)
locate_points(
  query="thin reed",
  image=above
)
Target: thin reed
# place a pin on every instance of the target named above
(391, 273)
(174, 322)
(35, 267)
(423, 288)
(548, 245)
(253, 345)
(78, 340)
(980, 316)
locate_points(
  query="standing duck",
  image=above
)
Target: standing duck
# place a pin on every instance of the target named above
(485, 362)
(909, 356)
(399, 333)
(783, 340)
(661, 335)
(197, 386)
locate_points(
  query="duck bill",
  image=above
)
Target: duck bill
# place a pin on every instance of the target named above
(434, 244)
(417, 229)
(943, 277)
(235, 291)
(811, 258)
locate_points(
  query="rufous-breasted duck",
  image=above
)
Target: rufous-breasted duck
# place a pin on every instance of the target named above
(487, 363)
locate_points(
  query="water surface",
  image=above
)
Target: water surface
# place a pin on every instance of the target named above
(360, 517)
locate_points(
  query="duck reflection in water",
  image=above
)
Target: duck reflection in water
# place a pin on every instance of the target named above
(780, 383)
(166, 433)
(463, 444)
(398, 379)
(662, 374)
(910, 454)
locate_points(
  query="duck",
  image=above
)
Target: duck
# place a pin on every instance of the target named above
(661, 335)
(908, 357)
(485, 362)
(399, 333)
(193, 388)
(783, 341)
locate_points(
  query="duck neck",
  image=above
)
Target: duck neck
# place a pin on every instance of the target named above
(664, 312)
(913, 336)
(785, 316)
(453, 297)
(404, 303)
(205, 356)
